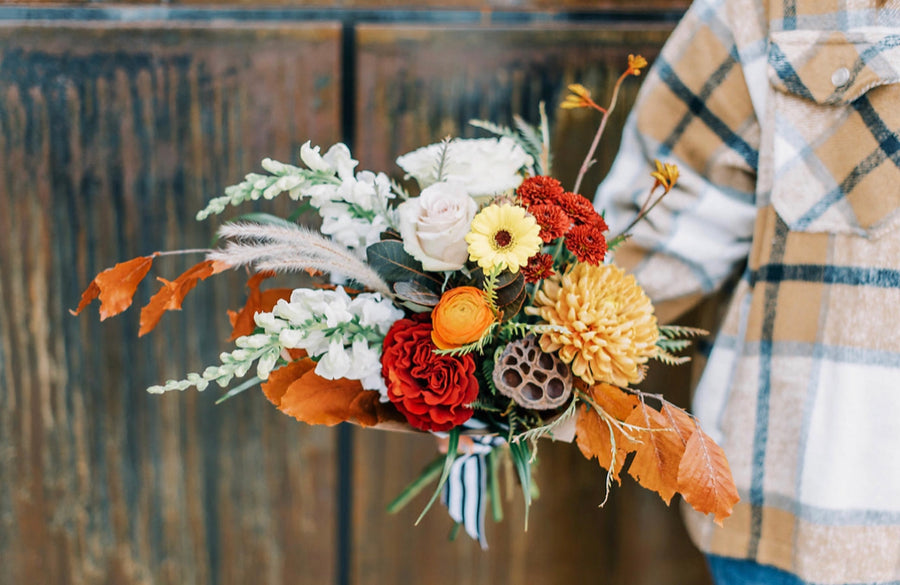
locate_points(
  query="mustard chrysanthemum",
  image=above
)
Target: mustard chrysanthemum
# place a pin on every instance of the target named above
(611, 328)
(503, 236)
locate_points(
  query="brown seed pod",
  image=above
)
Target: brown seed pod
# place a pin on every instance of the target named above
(532, 378)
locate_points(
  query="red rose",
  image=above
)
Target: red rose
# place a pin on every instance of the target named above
(432, 391)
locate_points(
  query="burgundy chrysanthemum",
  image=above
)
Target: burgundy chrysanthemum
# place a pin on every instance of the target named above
(587, 243)
(540, 266)
(538, 190)
(578, 207)
(553, 220)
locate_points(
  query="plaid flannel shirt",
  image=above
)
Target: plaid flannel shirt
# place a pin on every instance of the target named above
(783, 118)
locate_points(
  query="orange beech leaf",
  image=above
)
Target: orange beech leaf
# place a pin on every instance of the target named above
(679, 420)
(116, 286)
(704, 477)
(594, 435)
(242, 322)
(279, 380)
(172, 293)
(657, 456)
(301, 393)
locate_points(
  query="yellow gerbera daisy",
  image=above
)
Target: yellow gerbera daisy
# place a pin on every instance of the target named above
(611, 330)
(504, 237)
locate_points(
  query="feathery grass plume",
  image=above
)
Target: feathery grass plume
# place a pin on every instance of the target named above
(282, 248)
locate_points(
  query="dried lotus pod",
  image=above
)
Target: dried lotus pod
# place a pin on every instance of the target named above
(532, 378)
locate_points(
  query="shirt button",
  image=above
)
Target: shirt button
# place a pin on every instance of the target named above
(840, 76)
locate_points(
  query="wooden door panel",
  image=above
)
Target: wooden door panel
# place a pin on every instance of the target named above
(415, 85)
(111, 137)
(500, 5)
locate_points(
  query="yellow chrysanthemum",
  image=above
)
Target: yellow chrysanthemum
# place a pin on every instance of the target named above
(503, 237)
(611, 328)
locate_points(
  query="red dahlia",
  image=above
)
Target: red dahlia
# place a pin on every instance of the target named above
(540, 266)
(588, 244)
(539, 189)
(553, 220)
(432, 391)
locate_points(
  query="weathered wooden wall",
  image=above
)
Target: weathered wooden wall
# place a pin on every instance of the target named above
(116, 124)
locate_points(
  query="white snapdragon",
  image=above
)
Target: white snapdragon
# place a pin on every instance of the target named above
(337, 160)
(355, 212)
(343, 334)
(486, 166)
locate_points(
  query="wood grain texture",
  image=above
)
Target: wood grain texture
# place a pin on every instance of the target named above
(416, 85)
(483, 5)
(111, 138)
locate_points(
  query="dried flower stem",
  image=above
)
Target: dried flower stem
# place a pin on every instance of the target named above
(178, 252)
(589, 159)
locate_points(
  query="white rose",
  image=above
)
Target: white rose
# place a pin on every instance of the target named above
(486, 166)
(434, 226)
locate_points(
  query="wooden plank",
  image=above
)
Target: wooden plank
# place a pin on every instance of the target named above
(419, 84)
(111, 137)
(416, 85)
(631, 6)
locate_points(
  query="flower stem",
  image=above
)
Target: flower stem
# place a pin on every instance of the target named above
(589, 159)
(177, 252)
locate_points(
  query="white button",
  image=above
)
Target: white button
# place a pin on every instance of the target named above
(840, 76)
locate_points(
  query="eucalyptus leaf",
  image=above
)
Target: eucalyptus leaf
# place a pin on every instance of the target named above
(414, 292)
(510, 290)
(394, 264)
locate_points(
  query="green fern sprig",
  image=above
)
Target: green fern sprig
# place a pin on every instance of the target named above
(675, 338)
(516, 329)
(442, 159)
(490, 288)
(532, 435)
(681, 332)
(486, 338)
(671, 359)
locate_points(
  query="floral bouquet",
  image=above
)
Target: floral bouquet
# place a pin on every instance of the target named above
(483, 310)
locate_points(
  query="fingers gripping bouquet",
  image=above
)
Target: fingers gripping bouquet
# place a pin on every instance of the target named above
(483, 310)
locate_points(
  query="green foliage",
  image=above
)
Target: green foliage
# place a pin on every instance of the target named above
(394, 264)
(521, 457)
(442, 159)
(507, 290)
(449, 458)
(428, 475)
(532, 435)
(414, 292)
(675, 338)
(240, 388)
(486, 338)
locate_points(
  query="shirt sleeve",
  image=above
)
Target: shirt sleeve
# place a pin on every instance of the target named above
(695, 110)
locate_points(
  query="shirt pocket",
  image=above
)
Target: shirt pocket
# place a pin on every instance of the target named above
(835, 148)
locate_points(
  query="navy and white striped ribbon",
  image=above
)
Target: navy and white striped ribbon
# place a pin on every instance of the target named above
(465, 493)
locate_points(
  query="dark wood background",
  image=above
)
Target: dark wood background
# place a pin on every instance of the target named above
(117, 123)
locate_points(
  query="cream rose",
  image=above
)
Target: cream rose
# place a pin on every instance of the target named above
(434, 225)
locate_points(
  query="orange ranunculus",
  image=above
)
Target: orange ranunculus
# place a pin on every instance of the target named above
(460, 317)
